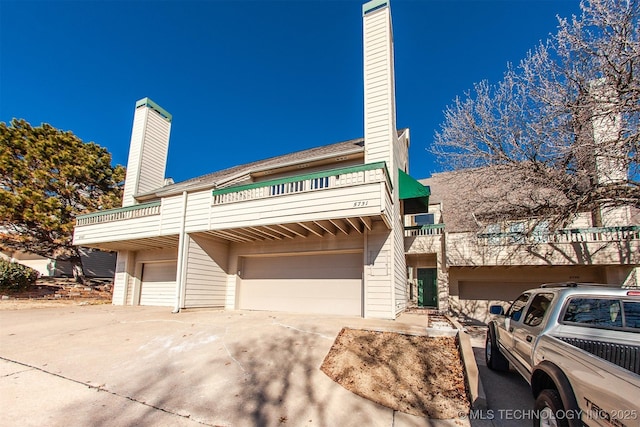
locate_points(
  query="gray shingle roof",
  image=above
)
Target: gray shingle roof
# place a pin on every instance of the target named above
(467, 196)
(240, 173)
(473, 195)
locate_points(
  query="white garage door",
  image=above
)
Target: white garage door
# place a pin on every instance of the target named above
(498, 291)
(158, 284)
(323, 284)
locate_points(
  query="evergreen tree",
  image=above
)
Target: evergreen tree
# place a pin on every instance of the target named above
(47, 178)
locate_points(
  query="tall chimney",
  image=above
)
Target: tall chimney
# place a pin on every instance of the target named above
(147, 151)
(386, 272)
(379, 84)
(609, 154)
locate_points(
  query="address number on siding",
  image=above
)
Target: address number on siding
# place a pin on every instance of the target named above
(360, 203)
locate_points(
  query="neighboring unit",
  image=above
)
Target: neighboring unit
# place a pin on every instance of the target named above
(476, 265)
(578, 346)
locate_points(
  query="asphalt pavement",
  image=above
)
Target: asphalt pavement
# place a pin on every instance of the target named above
(508, 396)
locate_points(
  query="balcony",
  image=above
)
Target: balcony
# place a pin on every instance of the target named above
(338, 201)
(128, 228)
(423, 239)
(424, 230)
(335, 178)
(333, 202)
(120, 214)
(572, 235)
(580, 246)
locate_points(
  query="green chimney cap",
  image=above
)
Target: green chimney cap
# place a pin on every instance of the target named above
(149, 103)
(374, 5)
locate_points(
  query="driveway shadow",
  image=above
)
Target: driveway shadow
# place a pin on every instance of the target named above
(509, 398)
(233, 369)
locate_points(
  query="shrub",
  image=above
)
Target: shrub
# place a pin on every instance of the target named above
(16, 277)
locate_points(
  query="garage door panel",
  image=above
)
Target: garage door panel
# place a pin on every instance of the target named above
(507, 291)
(322, 267)
(307, 304)
(158, 287)
(312, 289)
(327, 284)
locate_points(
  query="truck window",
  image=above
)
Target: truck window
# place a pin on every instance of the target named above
(632, 314)
(598, 312)
(515, 311)
(537, 309)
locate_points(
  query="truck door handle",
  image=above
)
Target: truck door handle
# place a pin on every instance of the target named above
(529, 338)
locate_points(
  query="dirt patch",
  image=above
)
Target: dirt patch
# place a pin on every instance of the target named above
(20, 304)
(50, 292)
(418, 375)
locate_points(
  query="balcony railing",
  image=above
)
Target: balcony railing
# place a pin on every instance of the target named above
(424, 230)
(573, 235)
(334, 178)
(135, 211)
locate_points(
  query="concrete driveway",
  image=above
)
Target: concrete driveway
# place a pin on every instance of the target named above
(143, 366)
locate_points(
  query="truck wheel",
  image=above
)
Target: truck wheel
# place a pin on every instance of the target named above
(495, 360)
(549, 411)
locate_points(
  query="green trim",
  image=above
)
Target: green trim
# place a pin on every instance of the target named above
(303, 177)
(425, 227)
(149, 103)
(599, 229)
(118, 210)
(373, 5)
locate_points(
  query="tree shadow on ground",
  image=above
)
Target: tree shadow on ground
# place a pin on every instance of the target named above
(269, 377)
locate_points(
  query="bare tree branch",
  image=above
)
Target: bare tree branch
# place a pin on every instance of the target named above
(559, 135)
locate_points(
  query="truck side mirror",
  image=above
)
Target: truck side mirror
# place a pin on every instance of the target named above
(497, 310)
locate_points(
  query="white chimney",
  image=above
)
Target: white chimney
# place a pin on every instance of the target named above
(147, 151)
(386, 273)
(609, 151)
(379, 84)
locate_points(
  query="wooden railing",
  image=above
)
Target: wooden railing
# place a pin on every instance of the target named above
(110, 215)
(424, 230)
(334, 178)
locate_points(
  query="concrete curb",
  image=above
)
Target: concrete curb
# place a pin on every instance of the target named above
(478, 397)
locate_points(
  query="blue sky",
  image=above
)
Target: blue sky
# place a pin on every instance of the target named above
(247, 80)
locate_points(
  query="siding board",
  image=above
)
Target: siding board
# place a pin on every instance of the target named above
(315, 205)
(206, 279)
(171, 214)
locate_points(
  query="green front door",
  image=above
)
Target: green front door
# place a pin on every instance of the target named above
(427, 287)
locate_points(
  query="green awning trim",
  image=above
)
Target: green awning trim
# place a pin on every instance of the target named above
(410, 188)
(414, 194)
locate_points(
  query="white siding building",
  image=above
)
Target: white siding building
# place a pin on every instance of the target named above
(338, 229)
(316, 231)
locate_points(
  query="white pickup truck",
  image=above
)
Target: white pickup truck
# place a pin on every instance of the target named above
(578, 346)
